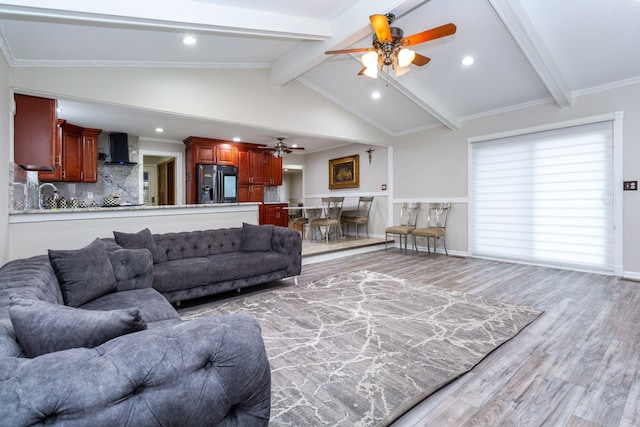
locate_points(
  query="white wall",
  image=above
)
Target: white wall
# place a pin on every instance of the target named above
(33, 234)
(372, 177)
(228, 95)
(432, 165)
(6, 102)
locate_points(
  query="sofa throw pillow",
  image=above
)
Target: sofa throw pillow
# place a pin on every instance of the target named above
(41, 327)
(141, 240)
(84, 274)
(133, 268)
(255, 238)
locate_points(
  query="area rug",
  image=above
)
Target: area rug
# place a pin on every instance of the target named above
(362, 348)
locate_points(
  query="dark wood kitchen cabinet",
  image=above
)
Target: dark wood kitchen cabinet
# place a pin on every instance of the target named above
(56, 173)
(71, 152)
(35, 129)
(76, 154)
(250, 175)
(275, 214)
(212, 151)
(249, 166)
(272, 167)
(90, 154)
(251, 193)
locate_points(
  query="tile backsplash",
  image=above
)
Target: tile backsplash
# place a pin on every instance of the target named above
(277, 194)
(116, 180)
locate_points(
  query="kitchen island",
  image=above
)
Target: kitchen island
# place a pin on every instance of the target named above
(32, 232)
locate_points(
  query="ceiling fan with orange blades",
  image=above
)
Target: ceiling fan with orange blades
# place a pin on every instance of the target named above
(282, 147)
(391, 49)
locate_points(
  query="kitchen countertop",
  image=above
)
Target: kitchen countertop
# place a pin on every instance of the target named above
(39, 215)
(126, 208)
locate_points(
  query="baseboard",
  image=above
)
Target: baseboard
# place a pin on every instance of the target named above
(327, 256)
(631, 275)
(439, 250)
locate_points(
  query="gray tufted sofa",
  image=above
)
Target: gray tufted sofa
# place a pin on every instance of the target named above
(208, 371)
(200, 263)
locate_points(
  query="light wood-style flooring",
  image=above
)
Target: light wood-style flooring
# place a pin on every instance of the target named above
(576, 365)
(311, 248)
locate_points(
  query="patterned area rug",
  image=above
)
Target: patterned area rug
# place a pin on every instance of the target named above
(362, 348)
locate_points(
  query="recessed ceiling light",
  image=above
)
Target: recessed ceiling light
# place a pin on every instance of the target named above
(237, 139)
(376, 95)
(159, 130)
(467, 60)
(189, 40)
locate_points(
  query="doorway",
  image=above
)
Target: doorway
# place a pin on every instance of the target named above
(292, 180)
(159, 181)
(167, 182)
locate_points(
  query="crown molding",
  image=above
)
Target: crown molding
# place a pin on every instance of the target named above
(608, 86)
(129, 64)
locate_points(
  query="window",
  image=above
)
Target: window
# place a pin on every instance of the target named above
(545, 197)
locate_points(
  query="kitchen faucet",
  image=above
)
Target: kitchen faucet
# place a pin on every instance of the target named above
(46, 184)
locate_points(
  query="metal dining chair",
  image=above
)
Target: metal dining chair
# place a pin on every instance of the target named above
(362, 216)
(331, 216)
(301, 220)
(408, 218)
(436, 227)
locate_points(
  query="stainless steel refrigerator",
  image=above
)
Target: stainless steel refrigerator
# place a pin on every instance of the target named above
(217, 184)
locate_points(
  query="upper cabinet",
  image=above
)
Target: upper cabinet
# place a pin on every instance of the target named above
(90, 154)
(76, 152)
(212, 151)
(35, 128)
(272, 169)
(250, 169)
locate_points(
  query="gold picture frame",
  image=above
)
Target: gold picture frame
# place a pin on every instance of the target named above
(344, 172)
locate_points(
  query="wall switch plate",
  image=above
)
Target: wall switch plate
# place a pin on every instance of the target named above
(630, 186)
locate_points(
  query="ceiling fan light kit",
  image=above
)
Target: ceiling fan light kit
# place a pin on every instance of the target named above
(281, 147)
(389, 51)
(405, 57)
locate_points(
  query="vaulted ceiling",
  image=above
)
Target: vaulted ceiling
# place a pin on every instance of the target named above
(526, 51)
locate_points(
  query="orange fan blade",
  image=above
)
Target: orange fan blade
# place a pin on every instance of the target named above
(420, 60)
(432, 34)
(380, 25)
(360, 49)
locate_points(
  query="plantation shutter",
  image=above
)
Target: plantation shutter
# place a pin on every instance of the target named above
(545, 197)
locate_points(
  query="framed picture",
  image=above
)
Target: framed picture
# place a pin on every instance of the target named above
(344, 172)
